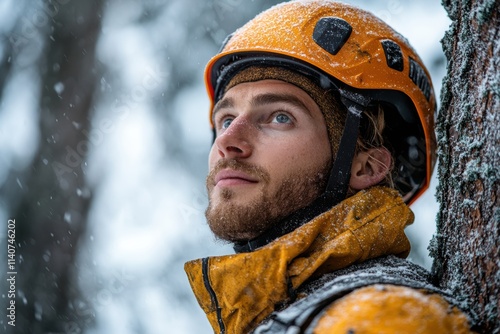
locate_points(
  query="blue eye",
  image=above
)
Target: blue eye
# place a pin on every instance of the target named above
(282, 119)
(226, 123)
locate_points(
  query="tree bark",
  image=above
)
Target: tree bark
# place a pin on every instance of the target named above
(466, 247)
(53, 205)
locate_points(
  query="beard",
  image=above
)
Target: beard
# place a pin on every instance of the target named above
(242, 222)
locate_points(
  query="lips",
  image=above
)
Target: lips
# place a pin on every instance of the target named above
(229, 177)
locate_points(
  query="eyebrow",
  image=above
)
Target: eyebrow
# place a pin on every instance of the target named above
(268, 98)
(262, 100)
(226, 102)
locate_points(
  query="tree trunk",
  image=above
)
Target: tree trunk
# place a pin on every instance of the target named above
(466, 247)
(51, 215)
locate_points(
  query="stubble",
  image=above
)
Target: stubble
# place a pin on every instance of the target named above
(237, 222)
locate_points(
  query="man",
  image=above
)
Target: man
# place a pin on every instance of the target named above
(323, 129)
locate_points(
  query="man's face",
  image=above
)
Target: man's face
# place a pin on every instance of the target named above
(271, 157)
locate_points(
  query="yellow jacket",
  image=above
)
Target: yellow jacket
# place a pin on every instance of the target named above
(237, 292)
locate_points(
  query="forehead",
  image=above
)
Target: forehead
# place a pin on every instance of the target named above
(265, 92)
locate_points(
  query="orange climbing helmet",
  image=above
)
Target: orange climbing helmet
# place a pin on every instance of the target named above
(344, 47)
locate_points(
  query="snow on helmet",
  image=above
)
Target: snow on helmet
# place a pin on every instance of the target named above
(350, 49)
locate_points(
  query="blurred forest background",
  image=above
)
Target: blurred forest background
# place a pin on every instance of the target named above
(103, 145)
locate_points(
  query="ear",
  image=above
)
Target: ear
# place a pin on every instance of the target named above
(369, 168)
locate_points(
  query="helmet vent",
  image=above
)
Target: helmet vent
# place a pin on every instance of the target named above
(331, 33)
(420, 79)
(393, 55)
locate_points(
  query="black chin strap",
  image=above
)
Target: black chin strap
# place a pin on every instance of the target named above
(338, 182)
(337, 186)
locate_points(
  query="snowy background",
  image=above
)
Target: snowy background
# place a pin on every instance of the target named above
(147, 162)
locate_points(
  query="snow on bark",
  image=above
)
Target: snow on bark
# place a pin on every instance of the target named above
(467, 242)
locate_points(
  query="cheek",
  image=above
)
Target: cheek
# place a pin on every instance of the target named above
(319, 147)
(296, 156)
(320, 152)
(212, 157)
(312, 151)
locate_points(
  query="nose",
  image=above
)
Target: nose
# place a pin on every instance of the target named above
(235, 141)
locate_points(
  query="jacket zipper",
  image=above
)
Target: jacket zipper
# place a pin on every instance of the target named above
(211, 292)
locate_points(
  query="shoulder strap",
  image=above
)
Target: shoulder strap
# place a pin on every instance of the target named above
(330, 287)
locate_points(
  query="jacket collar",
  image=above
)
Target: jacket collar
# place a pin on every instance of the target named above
(239, 291)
